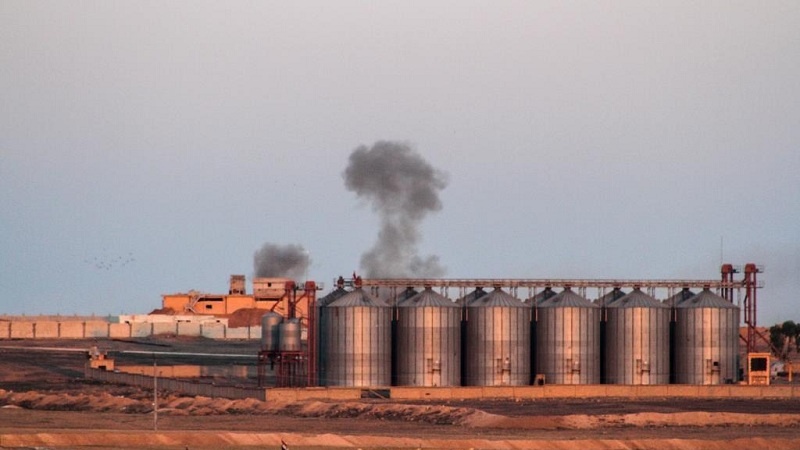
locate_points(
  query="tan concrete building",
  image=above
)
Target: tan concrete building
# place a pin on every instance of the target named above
(269, 294)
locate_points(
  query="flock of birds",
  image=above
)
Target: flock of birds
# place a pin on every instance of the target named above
(110, 263)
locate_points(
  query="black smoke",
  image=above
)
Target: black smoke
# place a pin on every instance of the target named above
(402, 188)
(284, 261)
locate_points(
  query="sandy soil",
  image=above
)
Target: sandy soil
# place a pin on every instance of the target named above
(45, 403)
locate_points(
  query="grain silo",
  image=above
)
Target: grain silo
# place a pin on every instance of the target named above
(357, 341)
(568, 340)
(270, 331)
(497, 341)
(706, 340)
(637, 340)
(674, 300)
(428, 341)
(322, 329)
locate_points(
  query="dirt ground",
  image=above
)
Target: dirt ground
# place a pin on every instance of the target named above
(45, 403)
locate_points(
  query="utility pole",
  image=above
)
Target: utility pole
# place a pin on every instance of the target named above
(155, 395)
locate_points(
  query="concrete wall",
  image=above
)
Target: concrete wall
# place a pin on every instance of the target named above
(95, 329)
(165, 328)
(213, 330)
(71, 330)
(188, 329)
(21, 330)
(545, 392)
(139, 329)
(119, 330)
(193, 371)
(47, 328)
(239, 333)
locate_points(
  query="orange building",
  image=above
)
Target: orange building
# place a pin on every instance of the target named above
(269, 294)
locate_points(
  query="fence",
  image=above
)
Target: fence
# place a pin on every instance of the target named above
(184, 387)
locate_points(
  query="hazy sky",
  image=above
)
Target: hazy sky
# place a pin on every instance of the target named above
(153, 147)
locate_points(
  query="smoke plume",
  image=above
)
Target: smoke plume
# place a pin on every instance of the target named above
(289, 261)
(402, 188)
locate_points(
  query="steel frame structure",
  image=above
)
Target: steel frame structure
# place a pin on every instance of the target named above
(725, 287)
(294, 365)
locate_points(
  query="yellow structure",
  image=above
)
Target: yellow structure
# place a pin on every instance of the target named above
(99, 360)
(758, 368)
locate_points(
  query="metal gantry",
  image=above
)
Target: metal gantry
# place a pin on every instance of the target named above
(725, 287)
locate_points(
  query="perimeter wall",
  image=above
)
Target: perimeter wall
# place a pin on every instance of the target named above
(50, 328)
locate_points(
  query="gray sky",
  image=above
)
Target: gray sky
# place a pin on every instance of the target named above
(153, 147)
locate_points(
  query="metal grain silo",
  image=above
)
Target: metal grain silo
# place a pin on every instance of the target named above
(290, 336)
(497, 341)
(270, 331)
(637, 340)
(323, 332)
(706, 340)
(568, 340)
(358, 341)
(428, 341)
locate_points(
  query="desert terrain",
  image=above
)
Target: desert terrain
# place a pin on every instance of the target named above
(46, 403)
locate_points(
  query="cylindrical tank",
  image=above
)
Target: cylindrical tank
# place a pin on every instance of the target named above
(358, 341)
(428, 341)
(706, 340)
(568, 340)
(498, 341)
(270, 332)
(323, 332)
(289, 336)
(637, 340)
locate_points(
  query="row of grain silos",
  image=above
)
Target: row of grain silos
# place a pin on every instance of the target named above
(490, 338)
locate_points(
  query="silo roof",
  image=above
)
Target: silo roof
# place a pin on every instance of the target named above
(427, 298)
(680, 297)
(472, 296)
(333, 296)
(403, 296)
(498, 297)
(358, 297)
(611, 297)
(707, 299)
(537, 299)
(636, 299)
(567, 299)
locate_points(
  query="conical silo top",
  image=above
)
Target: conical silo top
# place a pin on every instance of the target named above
(567, 299)
(472, 296)
(404, 295)
(540, 297)
(331, 297)
(498, 297)
(680, 297)
(610, 298)
(357, 297)
(427, 298)
(636, 299)
(707, 299)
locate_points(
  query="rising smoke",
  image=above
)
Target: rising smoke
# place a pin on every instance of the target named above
(289, 261)
(402, 188)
